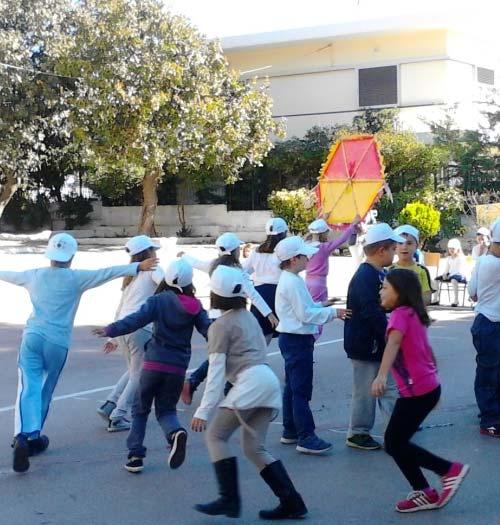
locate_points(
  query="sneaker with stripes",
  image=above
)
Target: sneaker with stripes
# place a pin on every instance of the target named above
(425, 499)
(451, 482)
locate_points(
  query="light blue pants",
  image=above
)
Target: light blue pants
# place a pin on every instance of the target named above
(123, 394)
(39, 365)
(363, 404)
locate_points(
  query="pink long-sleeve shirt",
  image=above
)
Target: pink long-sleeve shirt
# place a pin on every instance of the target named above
(318, 264)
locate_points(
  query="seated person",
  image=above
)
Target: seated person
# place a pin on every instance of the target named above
(455, 269)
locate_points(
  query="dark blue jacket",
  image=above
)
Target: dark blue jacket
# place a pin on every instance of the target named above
(172, 328)
(364, 332)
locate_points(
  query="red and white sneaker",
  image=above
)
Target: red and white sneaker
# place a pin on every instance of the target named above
(451, 482)
(493, 431)
(425, 499)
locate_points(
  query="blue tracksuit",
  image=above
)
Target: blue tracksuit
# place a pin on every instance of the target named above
(55, 294)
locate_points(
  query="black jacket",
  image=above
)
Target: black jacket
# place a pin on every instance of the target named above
(364, 332)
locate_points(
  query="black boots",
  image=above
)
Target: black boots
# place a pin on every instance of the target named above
(228, 504)
(38, 445)
(20, 459)
(291, 504)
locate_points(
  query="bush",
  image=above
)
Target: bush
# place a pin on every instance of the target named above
(296, 207)
(27, 213)
(75, 211)
(423, 216)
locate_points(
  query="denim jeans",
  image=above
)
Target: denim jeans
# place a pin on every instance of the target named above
(486, 339)
(363, 404)
(164, 389)
(297, 351)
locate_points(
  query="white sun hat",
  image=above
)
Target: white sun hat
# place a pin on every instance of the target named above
(381, 232)
(275, 226)
(318, 226)
(61, 247)
(228, 242)
(227, 282)
(293, 246)
(179, 274)
(408, 230)
(139, 243)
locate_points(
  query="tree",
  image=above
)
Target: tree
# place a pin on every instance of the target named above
(424, 217)
(156, 97)
(32, 102)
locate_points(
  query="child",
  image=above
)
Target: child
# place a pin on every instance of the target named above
(299, 319)
(135, 291)
(364, 335)
(406, 258)
(237, 351)
(482, 243)
(55, 293)
(318, 265)
(264, 267)
(484, 287)
(229, 249)
(175, 311)
(455, 269)
(410, 356)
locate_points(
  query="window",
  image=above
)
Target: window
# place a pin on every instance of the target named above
(378, 86)
(486, 76)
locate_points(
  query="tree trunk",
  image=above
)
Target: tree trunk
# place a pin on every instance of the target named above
(149, 203)
(7, 191)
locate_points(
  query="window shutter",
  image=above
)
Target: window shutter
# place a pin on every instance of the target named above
(486, 76)
(378, 86)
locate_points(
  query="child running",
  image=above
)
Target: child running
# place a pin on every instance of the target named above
(409, 355)
(135, 291)
(484, 287)
(264, 267)
(55, 293)
(364, 336)
(299, 319)
(174, 312)
(229, 250)
(237, 353)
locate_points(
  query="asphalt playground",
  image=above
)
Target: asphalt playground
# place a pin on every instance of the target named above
(81, 480)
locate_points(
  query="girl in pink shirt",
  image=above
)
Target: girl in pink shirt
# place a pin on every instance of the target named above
(409, 356)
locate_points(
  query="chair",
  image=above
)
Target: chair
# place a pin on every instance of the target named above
(462, 289)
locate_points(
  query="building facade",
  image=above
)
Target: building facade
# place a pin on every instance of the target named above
(327, 75)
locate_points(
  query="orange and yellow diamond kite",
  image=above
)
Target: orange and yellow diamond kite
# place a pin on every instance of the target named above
(351, 179)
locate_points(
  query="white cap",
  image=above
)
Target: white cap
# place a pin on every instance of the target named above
(454, 243)
(495, 230)
(179, 274)
(318, 226)
(227, 242)
(227, 281)
(140, 243)
(275, 226)
(409, 230)
(61, 247)
(293, 246)
(381, 232)
(483, 231)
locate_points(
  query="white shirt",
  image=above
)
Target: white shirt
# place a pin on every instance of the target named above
(140, 289)
(456, 265)
(295, 308)
(485, 283)
(264, 268)
(248, 286)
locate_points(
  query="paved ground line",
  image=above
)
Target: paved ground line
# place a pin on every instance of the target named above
(104, 388)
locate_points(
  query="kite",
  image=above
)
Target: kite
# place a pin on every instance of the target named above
(351, 180)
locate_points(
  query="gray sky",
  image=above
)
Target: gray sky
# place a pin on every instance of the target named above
(219, 18)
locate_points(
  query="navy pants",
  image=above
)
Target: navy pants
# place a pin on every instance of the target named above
(297, 351)
(165, 390)
(486, 339)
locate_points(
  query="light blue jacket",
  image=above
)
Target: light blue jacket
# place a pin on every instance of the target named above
(55, 294)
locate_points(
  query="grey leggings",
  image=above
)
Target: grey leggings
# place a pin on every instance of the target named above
(224, 424)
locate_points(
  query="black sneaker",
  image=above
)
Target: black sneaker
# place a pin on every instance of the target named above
(21, 462)
(118, 425)
(177, 440)
(38, 445)
(363, 442)
(105, 410)
(134, 465)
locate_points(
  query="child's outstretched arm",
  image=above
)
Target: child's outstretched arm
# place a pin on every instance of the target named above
(17, 278)
(199, 264)
(145, 315)
(202, 322)
(390, 354)
(344, 237)
(92, 278)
